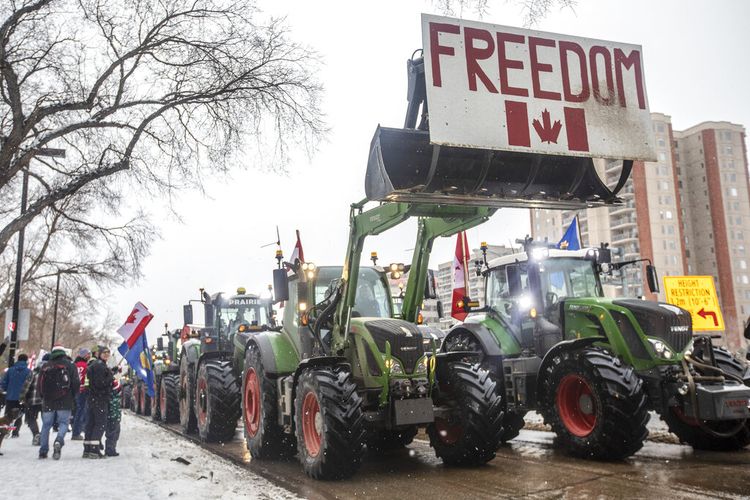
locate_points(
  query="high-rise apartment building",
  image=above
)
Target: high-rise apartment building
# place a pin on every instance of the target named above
(688, 212)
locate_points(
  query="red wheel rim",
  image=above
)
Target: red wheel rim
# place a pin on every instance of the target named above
(251, 402)
(449, 433)
(576, 405)
(311, 424)
(684, 418)
(201, 400)
(162, 400)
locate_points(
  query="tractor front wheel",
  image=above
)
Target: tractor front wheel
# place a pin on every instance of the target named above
(169, 398)
(187, 398)
(264, 437)
(714, 436)
(595, 404)
(472, 433)
(329, 423)
(217, 401)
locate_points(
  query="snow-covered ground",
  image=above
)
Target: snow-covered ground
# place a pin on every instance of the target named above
(144, 469)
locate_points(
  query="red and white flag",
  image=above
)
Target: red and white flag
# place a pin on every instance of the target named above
(460, 277)
(297, 253)
(135, 325)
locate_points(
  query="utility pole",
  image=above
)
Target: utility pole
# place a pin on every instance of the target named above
(57, 295)
(56, 153)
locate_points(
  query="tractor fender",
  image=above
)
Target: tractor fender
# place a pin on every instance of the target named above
(191, 352)
(277, 352)
(492, 354)
(565, 345)
(314, 362)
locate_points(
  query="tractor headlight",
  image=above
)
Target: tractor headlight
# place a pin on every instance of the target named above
(394, 366)
(661, 349)
(539, 253)
(422, 365)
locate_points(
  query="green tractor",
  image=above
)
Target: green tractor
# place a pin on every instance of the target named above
(166, 365)
(209, 388)
(594, 366)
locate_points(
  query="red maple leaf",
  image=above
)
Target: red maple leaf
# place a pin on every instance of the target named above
(547, 131)
(131, 318)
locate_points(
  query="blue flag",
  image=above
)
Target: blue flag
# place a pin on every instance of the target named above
(139, 358)
(571, 240)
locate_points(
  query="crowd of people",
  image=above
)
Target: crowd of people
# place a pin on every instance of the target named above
(83, 393)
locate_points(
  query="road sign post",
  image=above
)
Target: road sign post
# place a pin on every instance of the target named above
(696, 294)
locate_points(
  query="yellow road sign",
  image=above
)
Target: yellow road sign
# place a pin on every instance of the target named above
(697, 294)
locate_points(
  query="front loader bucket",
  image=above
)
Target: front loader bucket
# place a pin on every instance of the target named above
(404, 166)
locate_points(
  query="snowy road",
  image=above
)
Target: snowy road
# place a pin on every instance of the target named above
(145, 469)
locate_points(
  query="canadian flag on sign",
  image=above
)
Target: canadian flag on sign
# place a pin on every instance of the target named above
(135, 324)
(460, 272)
(547, 126)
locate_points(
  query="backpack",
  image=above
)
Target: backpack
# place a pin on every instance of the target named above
(54, 381)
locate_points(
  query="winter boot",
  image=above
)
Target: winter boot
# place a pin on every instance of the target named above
(35, 440)
(76, 437)
(57, 447)
(42, 455)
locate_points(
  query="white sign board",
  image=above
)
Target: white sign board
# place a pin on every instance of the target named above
(24, 317)
(497, 87)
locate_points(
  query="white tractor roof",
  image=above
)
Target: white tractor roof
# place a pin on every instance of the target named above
(554, 253)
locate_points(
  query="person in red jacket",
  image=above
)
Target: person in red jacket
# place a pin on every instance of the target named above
(79, 419)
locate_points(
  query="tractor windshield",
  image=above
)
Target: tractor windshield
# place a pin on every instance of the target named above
(251, 315)
(373, 293)
(566, 278)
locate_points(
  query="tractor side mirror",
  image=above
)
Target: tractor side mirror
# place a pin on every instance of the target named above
(652, 278)
(159, 344)
(209, 315)
(280, 285)
(439, 306)
(430, 287)
(187, 314)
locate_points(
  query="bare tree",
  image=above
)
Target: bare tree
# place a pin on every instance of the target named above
(162, 91)
(533, 10)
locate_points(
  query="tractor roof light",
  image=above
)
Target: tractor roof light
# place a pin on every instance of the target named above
(525, 302)
(302, 306)
(539, 253)
(241, 290)
(308, 266)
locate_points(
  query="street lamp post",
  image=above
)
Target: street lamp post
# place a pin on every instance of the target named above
(57, 295)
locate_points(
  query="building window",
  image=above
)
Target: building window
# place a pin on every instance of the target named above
(728, 150)
(662, 156)
(661, 143)
(743, 264)
(745, 280)
(732, 192)
(663, 186)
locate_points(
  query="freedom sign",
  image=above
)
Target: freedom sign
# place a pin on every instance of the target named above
(503, 88)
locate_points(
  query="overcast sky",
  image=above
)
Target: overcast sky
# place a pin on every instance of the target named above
(696, 70)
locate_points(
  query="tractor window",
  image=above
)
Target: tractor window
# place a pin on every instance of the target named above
(498, 292)
(564, 277)
(373, 296)
(248, 315)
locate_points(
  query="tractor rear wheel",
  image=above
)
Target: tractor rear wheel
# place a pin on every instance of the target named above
(472, 433)
(688, 430)
(595, 404)
(187, 398)
(144, 402)
(217, 401)
(155, 406)
(137, 398)
(264, 437)
(379, 441)
(329, 423)
(169, 398)
(127, 394)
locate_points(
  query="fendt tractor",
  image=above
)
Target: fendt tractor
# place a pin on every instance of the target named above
(209, 386)
(594, 366)
(166, 365)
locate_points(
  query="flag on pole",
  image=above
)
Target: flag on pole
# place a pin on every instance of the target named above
(297, 253)
(134, 347)
(460, 275)
(571, 240)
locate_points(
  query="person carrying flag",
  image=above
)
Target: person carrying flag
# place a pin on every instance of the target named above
(99, 379)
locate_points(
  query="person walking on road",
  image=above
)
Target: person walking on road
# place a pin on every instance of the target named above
(113, 420)
(12, 384)
(99, 380)
(79, 419)
(59, 384)
(32, 396)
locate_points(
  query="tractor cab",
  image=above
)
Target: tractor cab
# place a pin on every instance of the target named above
(244, 313)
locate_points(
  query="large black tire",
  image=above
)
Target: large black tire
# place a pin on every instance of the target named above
(690, 432)
(188, 422)
(264, 437)
(154, 402)
(127, 393)
(329, 423)
(472, 433)
(144, 401)
(217, 401)
(463, 340)
(169, 398)
(379, 441)
(595, 404)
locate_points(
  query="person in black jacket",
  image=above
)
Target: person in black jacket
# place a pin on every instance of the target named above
(58, 384)
(99, 379)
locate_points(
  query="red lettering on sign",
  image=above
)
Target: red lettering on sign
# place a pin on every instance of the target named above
(574, 48)
(474, 54)
(436, 50)
(575, 128)
(506, 64)
(537, 67)
(517, 123)
(595, 51)
(627, 62)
